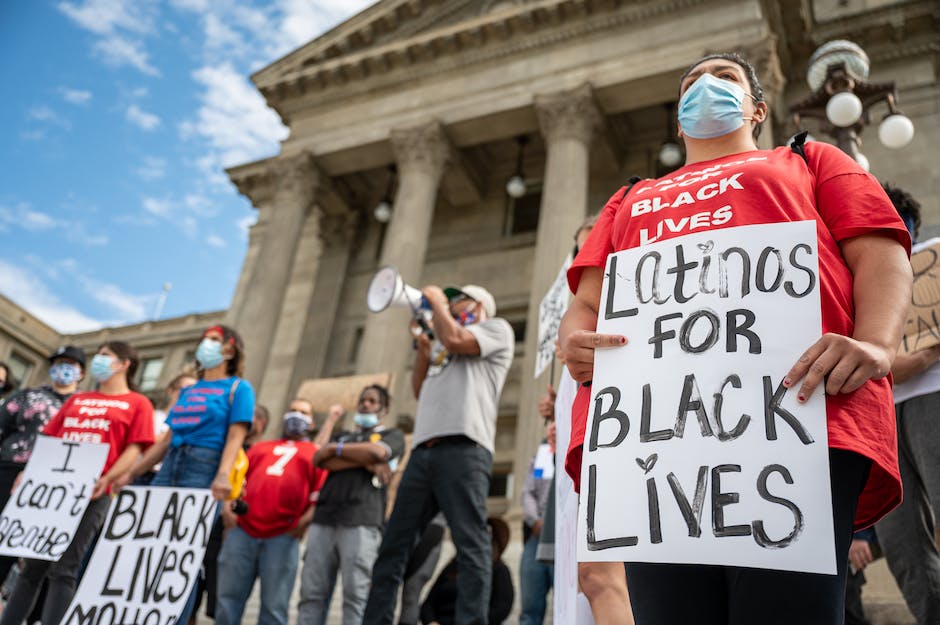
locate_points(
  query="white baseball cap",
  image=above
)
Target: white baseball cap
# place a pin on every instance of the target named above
(476, 293)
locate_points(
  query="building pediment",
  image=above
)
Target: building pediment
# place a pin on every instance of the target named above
(382, 25)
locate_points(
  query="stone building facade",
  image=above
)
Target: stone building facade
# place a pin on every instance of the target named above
(425, 101)
(436, 93)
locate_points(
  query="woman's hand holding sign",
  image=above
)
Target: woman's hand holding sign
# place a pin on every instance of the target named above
(576, 332)
(578, 348)
(843, 364)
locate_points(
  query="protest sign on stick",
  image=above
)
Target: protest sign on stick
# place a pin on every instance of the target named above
(147, 558)
(44, 511)
(922, 328)
(551, 309)
(694, 451)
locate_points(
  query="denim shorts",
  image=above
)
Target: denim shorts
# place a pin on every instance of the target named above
(189, 467)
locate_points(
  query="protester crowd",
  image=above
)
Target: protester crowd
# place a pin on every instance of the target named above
(327, 490)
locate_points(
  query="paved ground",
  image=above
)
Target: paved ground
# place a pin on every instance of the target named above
(883, 602)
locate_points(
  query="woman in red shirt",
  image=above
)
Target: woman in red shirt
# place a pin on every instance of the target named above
(864, 280)
(123, 420)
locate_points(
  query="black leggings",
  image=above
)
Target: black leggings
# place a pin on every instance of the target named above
(680, 594)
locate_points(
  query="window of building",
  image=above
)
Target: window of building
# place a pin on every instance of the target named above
(150, 370)
(21, 367)
(501, 484)
(522, 214)
(354, 346)
(518, 329)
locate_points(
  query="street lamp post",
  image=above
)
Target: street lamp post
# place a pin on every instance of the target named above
(842, 99)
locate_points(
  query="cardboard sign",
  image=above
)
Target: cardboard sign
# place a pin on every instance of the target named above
(694, 451)
(551, 310)
(147, 559)
(922, 329)
(44, 511)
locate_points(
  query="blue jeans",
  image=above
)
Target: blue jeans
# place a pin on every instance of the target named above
(535, 579)
(244, 558)
(453, 476)
(188, 467)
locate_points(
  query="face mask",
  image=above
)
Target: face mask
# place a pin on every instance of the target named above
(366, 420)
(296, 424)
(101, 367)
(711, 107)
(64, 374)
(209, 354)
(466, 317)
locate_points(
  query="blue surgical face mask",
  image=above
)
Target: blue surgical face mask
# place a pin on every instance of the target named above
(711, 108)
(209, 354)
(65, 374)
(367, 420)
(100, 367)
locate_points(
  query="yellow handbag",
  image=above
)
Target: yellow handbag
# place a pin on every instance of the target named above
(236, 477)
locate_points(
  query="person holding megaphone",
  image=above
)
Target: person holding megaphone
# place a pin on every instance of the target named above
(458, 377)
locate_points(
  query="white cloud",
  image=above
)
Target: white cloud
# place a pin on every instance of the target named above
(45, 115)
(199, 205)
(34, 220)
(215, 241)
(75, 96)
(141, 118)
(233, 118)
(126, 307)
(104, 17)
(140, 92)
(158, 207)
(29, 291)
(153, 168)
(118, 51)
(198, 6)
(245, 223)
(190, 226)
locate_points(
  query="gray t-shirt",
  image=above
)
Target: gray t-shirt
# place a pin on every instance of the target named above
(460, 394)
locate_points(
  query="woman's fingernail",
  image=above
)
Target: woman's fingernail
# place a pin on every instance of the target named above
(623, 340)
(801, 397)
(787, 382)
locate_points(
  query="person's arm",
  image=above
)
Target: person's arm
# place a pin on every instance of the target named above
(151, 456)
(882, 293)
(422, 362)
(221, 487)
(323, 436)
(530, 506)
(7, 420)
(354, 455)
(906, 366)
(121, 466)
(577, 331)
(453, 336)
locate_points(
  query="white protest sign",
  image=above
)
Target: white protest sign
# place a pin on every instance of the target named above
(551, 310)
(694, 450)
(44, 511)
(147, 558)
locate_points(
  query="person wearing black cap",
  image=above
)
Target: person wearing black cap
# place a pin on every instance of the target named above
(458, 379)
(25, 412)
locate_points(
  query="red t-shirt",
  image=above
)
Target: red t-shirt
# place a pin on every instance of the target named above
(763, 187)
(93, 417)
(279, 486)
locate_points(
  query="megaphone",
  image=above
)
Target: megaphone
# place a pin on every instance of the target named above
(388, 290)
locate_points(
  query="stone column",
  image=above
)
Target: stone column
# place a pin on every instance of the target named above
(568, 122)
(299, 307)
(421, 154)
(295, 181)
(766, 62)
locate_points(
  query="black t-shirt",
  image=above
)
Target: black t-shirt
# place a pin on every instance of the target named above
(350, 498)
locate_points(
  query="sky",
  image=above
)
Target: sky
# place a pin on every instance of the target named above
(119, 117)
